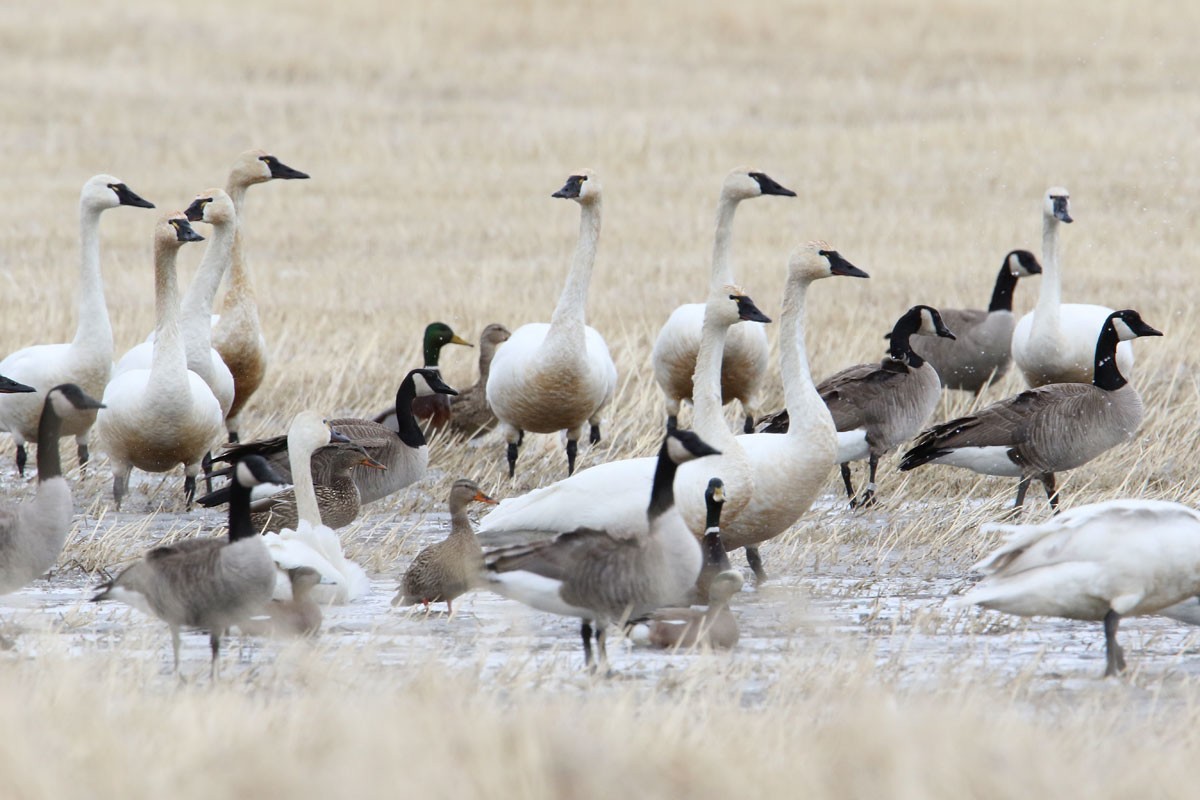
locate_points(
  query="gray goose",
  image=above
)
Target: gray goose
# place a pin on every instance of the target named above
(299, 615)
(453, 566)
(210, 583)
(1046, 430)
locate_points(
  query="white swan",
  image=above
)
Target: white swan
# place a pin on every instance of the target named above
(166, 415)
(557, 376)
(195, 318)
(1056, 342)
(574, 502)
(746, 350)
(310, 543)
(237, 335)
(789, 469)
(1098, 562)
(87, 360)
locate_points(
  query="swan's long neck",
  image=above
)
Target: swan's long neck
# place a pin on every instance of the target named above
(407, 428)
(300, 461)
(94, 331)
(1046, 314)
(662, 492)
(1106, 376)
(196, 310)
(1002, 294)
(804, 404)
(169, 363)
(722, 254)
(706, 384)
(48, 463)
(567, 323)
(240, 286)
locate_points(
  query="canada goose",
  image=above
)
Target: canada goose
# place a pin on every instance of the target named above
(195, 310)
(719, 581)
(298, 615)
(608, 575)
(1046, 430)
(87, 360)
(403, 452)
(9, 386)
(1055, 342)
(205, 583)
(877, 406)
(746, 351)
(557, 376)
(238, 336)
(166, 415)
(570, 503)
(453, 566)
(982, 350)
(32, 534)
(788, 471)
(337, 496)
(1097, 562)
(311, 543)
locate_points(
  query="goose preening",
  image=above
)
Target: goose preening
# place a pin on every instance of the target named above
(1055, 342)
(982, 350)
(32, 534)
(788, 471)
(166, 415)
(337, 496)
(557, 376)
(1098, 562)
(604, 575)
(453, 566)
(404, 453)
(87, 360)
(238, 336)
(298, 615)
(715, 625)
(195, 310)
(1048, 429)
(877, 406)
(432, 412)
(210, 583)
(311, 543)
(571, 502)
(746, 352)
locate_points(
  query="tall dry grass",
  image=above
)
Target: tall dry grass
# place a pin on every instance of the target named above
(919, 136)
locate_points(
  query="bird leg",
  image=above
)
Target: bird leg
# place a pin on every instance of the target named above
(512, 458)
(1048, 481)
(214, 642)
(189, 490)
(585, 631)
(233, 437)
(1022, 488)
(748, 425)
(868, 495)
(206, 465)
(849, 484)
(1115, 656)
(175, 646)
(594, 435)
(22, 457)
(572, 449)
(755, 562)
(601, 646)
(81, 451)
(450, 608)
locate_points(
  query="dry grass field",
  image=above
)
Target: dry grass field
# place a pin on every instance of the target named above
(919, 137)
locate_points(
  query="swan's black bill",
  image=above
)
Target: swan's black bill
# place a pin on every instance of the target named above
(184, 232)
(195, 212)
(1060, 209)
(282, 170)
(840, 266)
(747, 310)
(9, 386)
(571, 188)
(769, 186)
(127, 197)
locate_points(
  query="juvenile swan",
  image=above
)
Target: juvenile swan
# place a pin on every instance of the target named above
(1055, 342)
(558, 376)
(603, 576)
(1046, 430)
(87, 360)
(1099, 562)
(678, 343)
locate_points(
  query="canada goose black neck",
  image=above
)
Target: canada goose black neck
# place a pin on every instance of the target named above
(240, 526)
(1107, 376)
(900, 349)
(662, 493)
(406, 424)
(49, 465)
(1002, 295)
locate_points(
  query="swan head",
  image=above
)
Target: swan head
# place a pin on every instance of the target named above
(308, 432)
(212, 206)
(1057, 205)
(259, 166)
(1022, 264)
(732, 305)
(815, 260)
(465, 491)
(173, 231)
(1129, 325)
(744, 183)
(583, 187)
(104, 191)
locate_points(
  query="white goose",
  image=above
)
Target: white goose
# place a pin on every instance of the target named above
(746, 350)
(166, 415)
(237, 335)
(195, 319)
(1056, 342)
(571, 503)
(310, 543)
(557, 376)
(789, 469)
(1098, 562)
(87, 360)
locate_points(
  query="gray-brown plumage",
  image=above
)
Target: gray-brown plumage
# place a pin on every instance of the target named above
(470, 413)
(453, 566)
(205, 583)
(1045, 430)
(981, 351)
(337, 494)
(298, 616)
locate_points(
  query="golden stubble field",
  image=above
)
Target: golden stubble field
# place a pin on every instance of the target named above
(919, 137)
